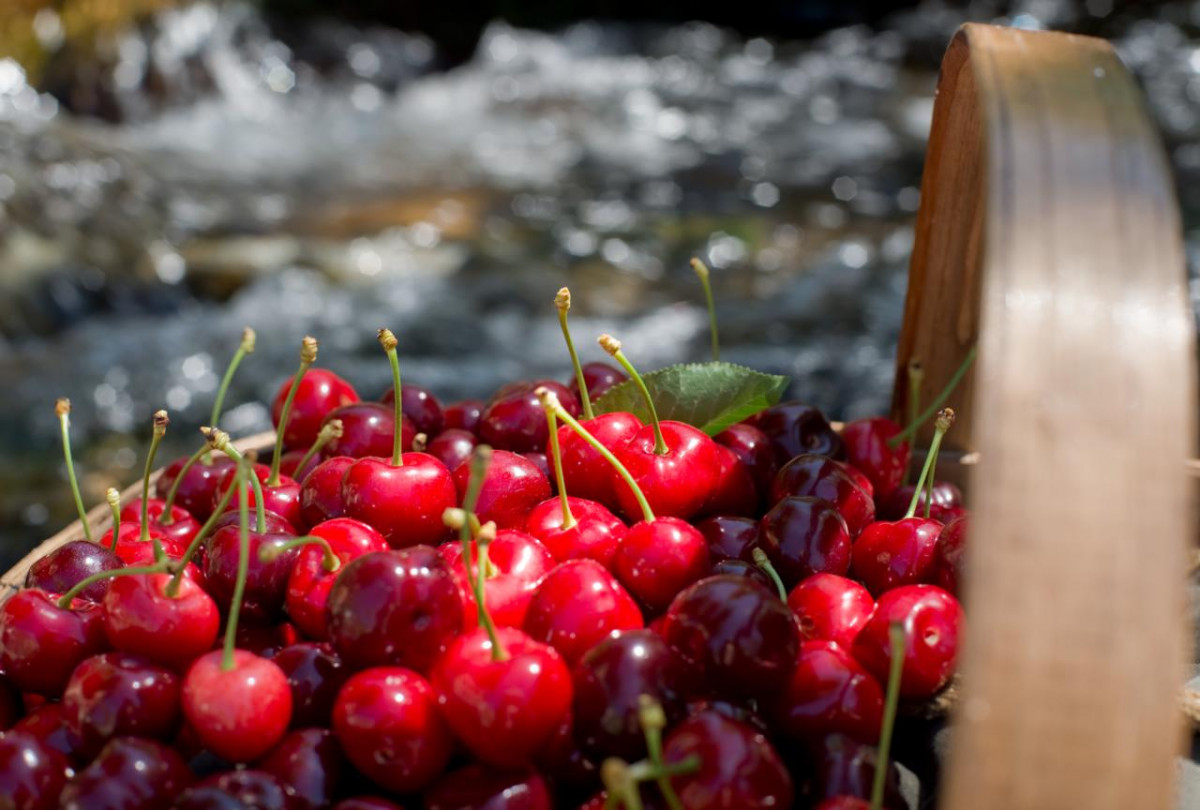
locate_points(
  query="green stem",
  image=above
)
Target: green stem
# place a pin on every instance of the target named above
(568, 520)
(891, 701)
(308, 355)
(160, 429)
(246, 347)
(63, 409)
(169, 504)
(702, 271)
(944, 420)
(763, 562)
(613, 347)
(562, 302)
(916, 379)
(653, 721)
(939, 400)
(486, 534)
(172, 588)
(114, 503)
(329, 562)
(333, 430)
(481, 458)
(929, 487)
(64, 601)
(388, 341)
(219, 440)
(239, 586)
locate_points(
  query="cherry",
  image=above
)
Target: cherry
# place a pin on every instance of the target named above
(541, 461)
(388, 723)
(577, 605)
(503, 694)
(319, 393)
(394, 607)
(240, 707)
(795, 429)
(741, 638)
(609, 682)
(735, 492)
(368, 429)
(452, 447)
(515, 421)
(729, 537)
(420, 406)
(599, 377)
(755, 451)
(946, 505)
(70, 564)
(32, 774)
(128, 773)
(272, 523)
(464, 415)
(144, 615)
(310, 581)
(805, 536)
(265, 639)
(48, 724)
(402, 498)
(520, 561)
(932, 621)
(477, 788)
(741, 568)
(321, 491)
(813, 476)
(829, 693)
(315, 674)
(595, 534)
(948, 555)
(678, 475)
(830, 608)
(177, 524)
(572, 769)
(587, 473)
(887, 555)
(845, 769)
(266, 579)
(131, 546)
(117, 694)
(245, 789)
(512, 487)
(283, 499)
(196, 489)
(41, 642)
(869, 450)
(659, 558)
(309, 764)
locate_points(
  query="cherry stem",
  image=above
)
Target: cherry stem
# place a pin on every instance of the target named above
(308, 356)
(166, 518)
(219, 440)
(481, 458)
(271, 552)
(613, 347)
(65, 600)
(63, 408)
(653, 721)
(937, 403)
(702, 271)
(333, 430)
(764, 562)
(945, 419)
(916, 378)
(114, 503)
(239, 585)
(568, 519)
(246, 347)
(620, 784)
(487, 533)
(172, 588)
(161, 420)
(550, 402)
(388, 341)
(929, 487)
(562, 302)
(896, 635)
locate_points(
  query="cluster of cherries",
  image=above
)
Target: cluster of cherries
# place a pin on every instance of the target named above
(516, 603)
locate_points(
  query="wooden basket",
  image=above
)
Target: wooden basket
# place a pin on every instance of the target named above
(1048, 234)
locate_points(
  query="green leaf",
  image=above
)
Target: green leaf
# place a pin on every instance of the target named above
(709, 396)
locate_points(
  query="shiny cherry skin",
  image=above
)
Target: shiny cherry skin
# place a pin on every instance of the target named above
(419, 406)
(141, 619)
(805, 536)
(320, 392)
(519, 561)
(502, 711)
(368, 429)
(598, 377)
(795, 428)
(275, 524)
(266, 581)
(198, 486)
(512, 487)
(452, 447)
(130, 547)
(309, 765)
(948, 556)
(48, 723)
(932, 621)
(587, 473)
(609, 681)
(946, 505)
(405, 503)
(183, 526)
(241, 713)
(266, 639)
(755, 450)
(321, 491)
(577, 605)
(315, 674)
(117, 694)
(463, 415)
(813, 476)
(729, 537)
(388, 723)
(596, 534)
(890, 554)
(32, 774)
(516, 421)
(868, 450)
(70, 564)
(261, 471)
(829, 693)
(739, 770)
(41, 643)
(845, 768)
(130, 772)
(394, 608)
(309, 583)
(676, 484)
(479, 788)
(289, 464)
(659, 558)
(830, 608)
(246, 789)
(741, 638)
(282, 499)
(542, 462)
(735, 492)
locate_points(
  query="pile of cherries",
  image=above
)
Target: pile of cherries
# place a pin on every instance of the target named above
(515, 603)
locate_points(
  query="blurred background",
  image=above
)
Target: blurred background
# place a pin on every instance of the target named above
(172, 171)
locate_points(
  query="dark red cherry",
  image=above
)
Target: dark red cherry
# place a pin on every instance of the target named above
(729, 537)
(829, 693)
(241, 713)
(609, 681)
(11, 707)
(845, 768)
(868, 450)
(948, 556)
(199, 483)
(577, 605)
(309, 764)
(261, 471)
(516, 421)
(320, 393)
(735, 492)
(831, 608)
(275, 524)
(419, 406)
(41, 643)
(542, 462)
(587, 473)
(404, 502)
(599, 377)
(932, 621)
(70, 564)
(244, 789)
(464, 415)
(741, 638)
(595, 535)
(142, 619)
(659, 558)
(315, 673)
(512, 487)
(452, 447)
(805, 536)
(813, 476)
(394, 608)
(289, 464)
(503, 711)
(795, 429)
(130, 772)
(517, 560)
(574, 771)
(741, 568)
(676, 484)
(478, 788)
(32, 774)
(117, 694)
(321, 491)
(266, 581)
(309, 583)
(368, 429)
(48, 724)
(755, 450)
(887, 555)
(388, 723)
(947, 502)
(265, 639)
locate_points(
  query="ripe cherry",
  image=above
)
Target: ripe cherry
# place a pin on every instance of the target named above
(71, 563)
(266, 579)
(482, 789)
(315, 673)
(48, 724)
(659, 558)
(845, 768)
(948, 556)
(513, 486)
(599, 377)
(829, 692)
(246, 789)
(129, 772)
(516, 564)
(795, 429)
(309, 765)
(946, 505)
(311, 579)
(283, 498)
(420, 406)
(932, 621)
(587, 473)
(41, 642)
(678, 475)
(176, 524)
(117, 694)
(196, 488)
(595, 534)
(321, 491)
(169, 624)
(32, 774)
(515, 421)
(729, 537)
(813, 476)
(869, 450)
(452, 447)
(756, 452)
(319, 393)
(830, 608)
(368, 429)
(805, 536)
(577, 605)
(239, 707)
(889, 554)
(464, 415)
(735, 492)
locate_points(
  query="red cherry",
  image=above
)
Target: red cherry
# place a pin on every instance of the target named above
(947, 501)
(266, 580)
(795, 429)
(948, 555)
(69, 564)
(577, 605)
(142, 619)
(245, 788)
(129, 772)
(805, 536)
(659, 558)
(813, 476)
(887, 555)
(320, 392)
(289, 464)
(676, 484)
(932, 621)
(598, 377)
(274, 523)
(867, 449)
(729, 538)
(512, 487)
(739, 768)
(542, 462)
(241, 713)
(515, 421)
(404, 502)
(32, 774)
(452, 447)
(48, 724)
(315, 674)
(131, 547)
(309, 583)
(387, 721)
(308, 763)
(596, 534)
(505, 710)
(830, 608)
(829, 693)
(265, 639)
(420, 406)
(480, 789)
(464, 415)
(196, 490)
(182, 528)
(587, 473)
(520, 561)
(368, 429)
(283, 499)
(735, 492)
(41, 643)
(116, 694)
(321, 491)
(754, 448)
(845, 768)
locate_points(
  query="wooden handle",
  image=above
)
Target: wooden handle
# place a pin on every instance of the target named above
(1049, 234)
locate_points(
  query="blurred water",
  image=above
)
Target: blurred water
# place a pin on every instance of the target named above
(339, 182)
